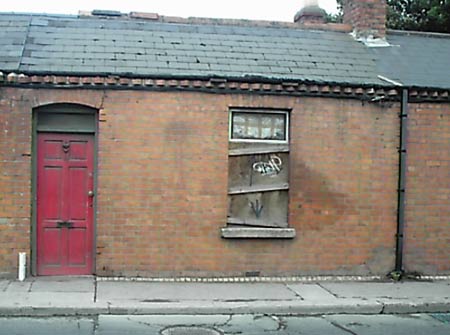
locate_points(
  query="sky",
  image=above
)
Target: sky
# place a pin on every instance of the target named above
(279, 10)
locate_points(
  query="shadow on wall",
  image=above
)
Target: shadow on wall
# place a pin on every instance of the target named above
(315, 206)
(313, 201)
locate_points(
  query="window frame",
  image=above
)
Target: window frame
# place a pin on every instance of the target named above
(257, 111)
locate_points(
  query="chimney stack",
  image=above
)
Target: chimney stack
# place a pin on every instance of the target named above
(310, 13)
(367, 17)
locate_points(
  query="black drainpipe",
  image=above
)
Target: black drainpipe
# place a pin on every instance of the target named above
(401, 181)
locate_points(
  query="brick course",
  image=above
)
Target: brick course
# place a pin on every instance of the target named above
(162, 184)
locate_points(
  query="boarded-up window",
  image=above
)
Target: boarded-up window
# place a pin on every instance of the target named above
(258, 182)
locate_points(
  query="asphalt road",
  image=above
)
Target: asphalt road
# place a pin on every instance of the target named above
(413, 324)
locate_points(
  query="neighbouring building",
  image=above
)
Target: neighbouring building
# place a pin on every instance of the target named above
(145, 145)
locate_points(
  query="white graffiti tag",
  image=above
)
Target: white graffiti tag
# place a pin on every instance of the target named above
(270, 168)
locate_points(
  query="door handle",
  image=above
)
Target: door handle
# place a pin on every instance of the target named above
(62, 224)
(90, 193)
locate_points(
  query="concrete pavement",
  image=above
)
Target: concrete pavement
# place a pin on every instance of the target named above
(53, 296)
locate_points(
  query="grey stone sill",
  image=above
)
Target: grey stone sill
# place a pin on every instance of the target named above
(238, 232)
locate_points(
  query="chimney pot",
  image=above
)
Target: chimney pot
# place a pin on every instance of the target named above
(310, 13)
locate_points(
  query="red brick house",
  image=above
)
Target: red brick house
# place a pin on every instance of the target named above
(144, 145)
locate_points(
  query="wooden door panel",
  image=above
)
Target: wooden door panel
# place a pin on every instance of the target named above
(53, 149)
(76, 247)
(64, 206)
(51, 252)
(78, 150)
(77, 191)
(50, 192)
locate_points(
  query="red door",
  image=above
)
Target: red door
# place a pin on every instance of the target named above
(65, 204)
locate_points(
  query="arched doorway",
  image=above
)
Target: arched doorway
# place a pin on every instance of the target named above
(64, 189)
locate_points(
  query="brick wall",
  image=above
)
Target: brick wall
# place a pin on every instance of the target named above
(15, 169)
(427, 227)
(162, 184)
(344, 185)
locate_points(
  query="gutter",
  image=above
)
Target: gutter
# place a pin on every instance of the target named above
(401, 187)
(401, 183)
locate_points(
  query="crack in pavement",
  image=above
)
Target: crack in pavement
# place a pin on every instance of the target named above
(193, 323)
(383, 306)
(293, 291)
(144, 323)
(95, 290)
(7, 285)
(327, 290)
(158, 301)
(226, 323)
(31, 285)
(337, 325)
(95, 325)
(282, 324)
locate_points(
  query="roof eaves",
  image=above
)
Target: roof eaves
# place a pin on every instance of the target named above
(416, 33)
(251, 78)
(222, 85)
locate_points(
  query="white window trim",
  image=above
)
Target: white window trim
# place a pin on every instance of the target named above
(257, 111)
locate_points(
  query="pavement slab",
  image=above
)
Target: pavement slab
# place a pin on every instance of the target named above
(312, 292)
(402, 290)
(83, 296)
(282, 307)
(17, 286)
(414, 306)
(166, 292)
(60, 298)
(64, 284)
(403, 297)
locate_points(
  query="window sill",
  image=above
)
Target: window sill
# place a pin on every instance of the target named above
(275, 233)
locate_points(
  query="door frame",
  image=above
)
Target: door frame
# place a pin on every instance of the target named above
(59, 110)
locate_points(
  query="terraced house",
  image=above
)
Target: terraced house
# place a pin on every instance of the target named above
(145, 145)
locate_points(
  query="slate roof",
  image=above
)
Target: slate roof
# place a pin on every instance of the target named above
(415, 59)
(13, 33)
(35, 43)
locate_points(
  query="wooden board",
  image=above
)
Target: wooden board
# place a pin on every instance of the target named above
(258, 169)
(271, 207)
(255, 223)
